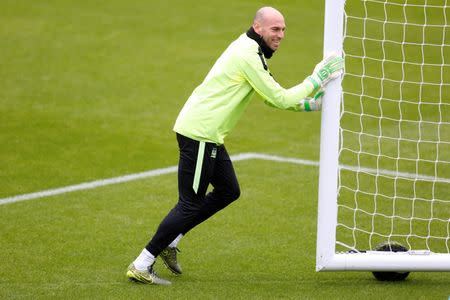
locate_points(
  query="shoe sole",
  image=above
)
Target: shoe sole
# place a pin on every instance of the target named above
(132, 278)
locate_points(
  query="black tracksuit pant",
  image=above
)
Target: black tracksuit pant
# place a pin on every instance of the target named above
(200, 164)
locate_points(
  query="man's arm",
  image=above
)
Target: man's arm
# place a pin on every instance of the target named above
(270, 90)
(294, 98)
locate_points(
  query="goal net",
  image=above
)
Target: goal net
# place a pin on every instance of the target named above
(392, 167)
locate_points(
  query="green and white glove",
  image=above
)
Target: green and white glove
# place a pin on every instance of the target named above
(329, 68)
(312, 104)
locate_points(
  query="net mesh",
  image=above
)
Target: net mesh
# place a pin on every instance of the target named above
(395, 126)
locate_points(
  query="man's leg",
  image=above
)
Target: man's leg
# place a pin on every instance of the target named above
(194, 175)
(193, 180)
(226, 189)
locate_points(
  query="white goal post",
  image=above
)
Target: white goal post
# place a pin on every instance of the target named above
(385, 137)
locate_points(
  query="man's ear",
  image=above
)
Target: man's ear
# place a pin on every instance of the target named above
(257, 27)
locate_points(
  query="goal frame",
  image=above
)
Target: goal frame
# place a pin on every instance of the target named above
(326, 257)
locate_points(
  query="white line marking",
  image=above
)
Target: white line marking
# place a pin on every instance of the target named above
(88, 185)
(173, 169)
(291, 160)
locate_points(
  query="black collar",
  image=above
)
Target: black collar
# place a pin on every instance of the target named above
(267, 51)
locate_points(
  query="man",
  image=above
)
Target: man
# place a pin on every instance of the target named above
(209, 114)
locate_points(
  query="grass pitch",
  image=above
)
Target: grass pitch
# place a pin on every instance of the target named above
(90, 90)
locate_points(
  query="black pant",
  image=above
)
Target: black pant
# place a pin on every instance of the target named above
(213, 167)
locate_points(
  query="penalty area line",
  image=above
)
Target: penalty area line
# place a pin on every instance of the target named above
(141, 175)
(237, 157)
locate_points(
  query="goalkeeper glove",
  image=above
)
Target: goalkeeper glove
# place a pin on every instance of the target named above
(329, 68)
(312, 104)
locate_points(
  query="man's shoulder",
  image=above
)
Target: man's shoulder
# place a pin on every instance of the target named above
(244, 42)
(244, 46)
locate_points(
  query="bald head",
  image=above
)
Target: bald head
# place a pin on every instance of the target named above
(269, 23)
(266, 13)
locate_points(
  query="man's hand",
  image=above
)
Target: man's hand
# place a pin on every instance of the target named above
(312, 104)
(329, 68)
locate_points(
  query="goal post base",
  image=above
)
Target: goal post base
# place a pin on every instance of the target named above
(417, 261)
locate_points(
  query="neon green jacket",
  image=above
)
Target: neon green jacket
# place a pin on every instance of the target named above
(216, 105)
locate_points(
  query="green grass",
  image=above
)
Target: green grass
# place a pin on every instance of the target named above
(100, 85)
(262, 247)
(90, 90)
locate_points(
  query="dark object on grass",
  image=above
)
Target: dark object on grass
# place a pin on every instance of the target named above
(391, 276)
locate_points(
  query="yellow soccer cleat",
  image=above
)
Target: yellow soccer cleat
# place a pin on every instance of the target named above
(148, 276)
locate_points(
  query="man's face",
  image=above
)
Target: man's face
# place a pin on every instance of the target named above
(272, 31)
